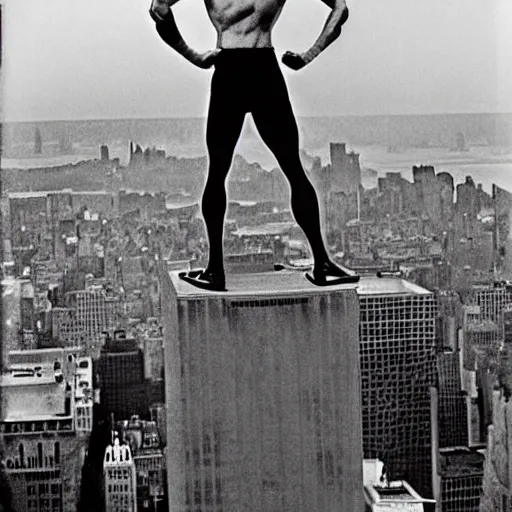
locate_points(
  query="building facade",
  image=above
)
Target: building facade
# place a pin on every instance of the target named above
(44, 437)
(263, 396)
(119, 478)
(397, 350)
(121, 374)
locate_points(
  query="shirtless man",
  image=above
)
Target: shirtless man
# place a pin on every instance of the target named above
(247, 78)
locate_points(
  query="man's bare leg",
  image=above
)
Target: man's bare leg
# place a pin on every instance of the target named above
(225, 121)
(275, 121)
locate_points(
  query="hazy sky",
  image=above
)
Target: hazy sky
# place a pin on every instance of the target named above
(90, 59)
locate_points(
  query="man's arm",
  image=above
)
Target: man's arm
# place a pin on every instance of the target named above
(167, 29)
(330, 32)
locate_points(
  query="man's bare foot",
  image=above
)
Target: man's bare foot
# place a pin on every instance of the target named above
(205, 279)
(328, 273)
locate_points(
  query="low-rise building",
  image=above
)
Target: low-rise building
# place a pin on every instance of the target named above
(119, 478)
(146, 447)
(45, 424)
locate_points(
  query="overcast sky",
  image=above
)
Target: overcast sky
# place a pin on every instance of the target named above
(93, 59)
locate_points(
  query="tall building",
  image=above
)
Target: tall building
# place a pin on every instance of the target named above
(94, 313)
(428, 192)
(263, 395)
(119, 478)
(45, 425)
(66, 330)
(460, 473)
(147, 452)
(458, 465)
(502, 234)
(345, 169)
(497, 482)
(397, 349)
(121, 373)
(452, 402)
(104, 153)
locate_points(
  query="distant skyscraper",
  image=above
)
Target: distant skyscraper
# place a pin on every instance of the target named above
(263, 395)
(502, 230)
(104, 154)
(460, 142)
(428, 192)
(397, 348)
(345, 169)
(38, 142)
(119, 477)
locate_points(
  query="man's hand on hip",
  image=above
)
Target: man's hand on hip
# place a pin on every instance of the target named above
(293, 60)
(207, 59)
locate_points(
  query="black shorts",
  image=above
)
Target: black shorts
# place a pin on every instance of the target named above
(250, 80)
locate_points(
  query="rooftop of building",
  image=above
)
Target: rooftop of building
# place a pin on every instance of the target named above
(385, 493)
(29, 396)
(43, 193)
(142, 436)
(291, 282)
(268, 229)
(117, 455)
(37, 389)
(460, 462)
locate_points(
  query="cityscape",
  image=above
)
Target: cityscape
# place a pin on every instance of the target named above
(124, 389)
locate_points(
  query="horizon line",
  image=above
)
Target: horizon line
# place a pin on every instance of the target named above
(168, 118)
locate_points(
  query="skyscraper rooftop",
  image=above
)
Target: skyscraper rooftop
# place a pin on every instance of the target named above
(294, 281)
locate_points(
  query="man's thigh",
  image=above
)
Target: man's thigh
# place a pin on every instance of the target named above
(226, 114)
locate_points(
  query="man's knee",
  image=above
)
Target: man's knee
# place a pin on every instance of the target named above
(299, 181)
(219, 165)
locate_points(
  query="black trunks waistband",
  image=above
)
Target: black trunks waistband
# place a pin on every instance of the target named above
(247, 50)
(245, 57)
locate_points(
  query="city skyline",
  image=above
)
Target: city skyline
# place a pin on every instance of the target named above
(399, 58)
(84, 275)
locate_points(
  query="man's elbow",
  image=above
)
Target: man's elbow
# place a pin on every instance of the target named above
(336, 31)
(341, 19)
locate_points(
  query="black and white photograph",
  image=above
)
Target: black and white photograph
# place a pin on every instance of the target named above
(256, 255)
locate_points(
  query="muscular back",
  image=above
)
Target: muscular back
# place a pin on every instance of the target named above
(244, 23)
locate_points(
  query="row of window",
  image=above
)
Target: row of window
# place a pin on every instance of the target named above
(118, 488)
(120, 474)
(44, 505)
(44, 489)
